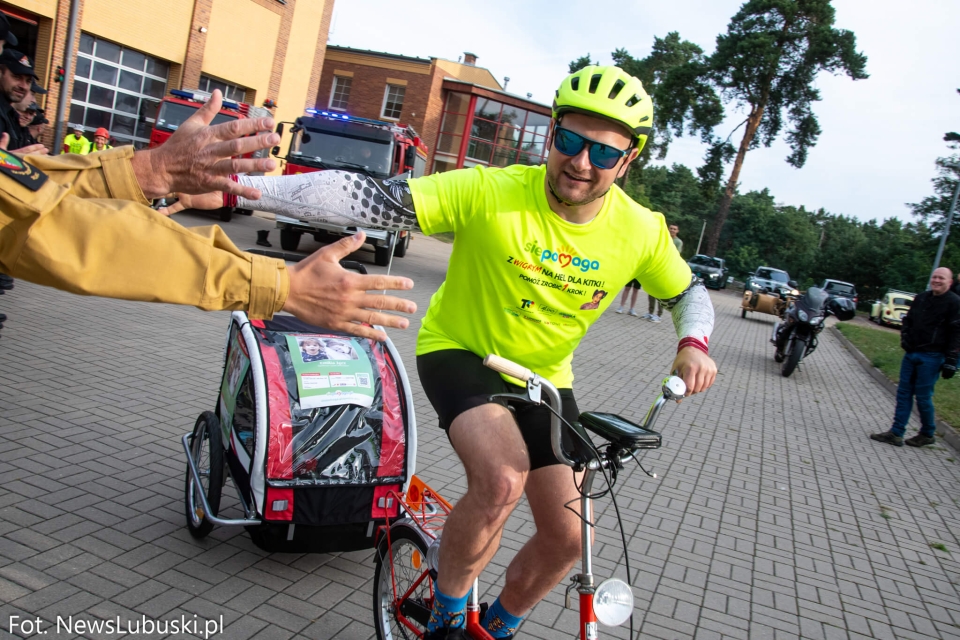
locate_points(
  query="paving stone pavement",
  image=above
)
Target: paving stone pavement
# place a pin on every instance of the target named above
(774, 515)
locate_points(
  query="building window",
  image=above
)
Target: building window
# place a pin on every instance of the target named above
(229, 91)
(393, 101)
(340, 93)
(118, 89)
(499, 135)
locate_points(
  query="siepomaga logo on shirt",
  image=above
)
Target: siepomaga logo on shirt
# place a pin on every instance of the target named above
(563, 256)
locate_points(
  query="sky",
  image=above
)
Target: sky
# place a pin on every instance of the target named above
(880, 136)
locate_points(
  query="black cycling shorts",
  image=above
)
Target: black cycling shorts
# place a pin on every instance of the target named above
(456, 381)
(634, 284)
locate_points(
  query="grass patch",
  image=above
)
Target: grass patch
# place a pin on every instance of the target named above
(939, 546)
(885, 512)
(882, 348)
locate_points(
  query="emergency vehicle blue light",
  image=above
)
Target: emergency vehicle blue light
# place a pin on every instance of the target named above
(345, 117)
(187, 95)
(312, 112)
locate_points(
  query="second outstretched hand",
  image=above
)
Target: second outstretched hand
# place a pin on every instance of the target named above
(206, 201)
(200, 157)
(324, 294)
(696, 368)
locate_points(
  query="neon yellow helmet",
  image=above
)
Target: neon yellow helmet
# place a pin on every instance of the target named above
(608, 92)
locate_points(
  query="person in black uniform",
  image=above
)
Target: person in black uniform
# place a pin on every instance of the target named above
(16, 78)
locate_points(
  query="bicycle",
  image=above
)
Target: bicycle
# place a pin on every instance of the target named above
(407, 549)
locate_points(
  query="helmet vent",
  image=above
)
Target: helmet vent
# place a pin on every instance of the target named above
(574, 83)
(595, 82)
(633, 100)
(617, 87)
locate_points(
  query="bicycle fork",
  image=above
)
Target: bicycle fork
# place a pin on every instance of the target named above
(583, 582)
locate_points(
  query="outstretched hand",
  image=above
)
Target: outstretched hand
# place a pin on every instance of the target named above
(22, 151)
(697, 369)
(199, 158)
(324, 294)
(206, 201)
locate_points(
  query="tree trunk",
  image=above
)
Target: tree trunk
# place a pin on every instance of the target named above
(753, 122)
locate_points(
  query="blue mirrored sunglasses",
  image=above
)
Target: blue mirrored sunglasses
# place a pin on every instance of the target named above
(602, 156)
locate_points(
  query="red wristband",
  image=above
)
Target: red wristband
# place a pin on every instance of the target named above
(230, 200)
(693, 342)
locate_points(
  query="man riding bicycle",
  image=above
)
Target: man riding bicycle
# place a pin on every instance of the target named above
(537, 250)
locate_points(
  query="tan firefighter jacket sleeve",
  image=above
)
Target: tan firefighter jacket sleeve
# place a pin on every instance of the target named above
(80, 224)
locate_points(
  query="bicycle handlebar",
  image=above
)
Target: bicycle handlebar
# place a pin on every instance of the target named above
(672, 388)
(506, 367)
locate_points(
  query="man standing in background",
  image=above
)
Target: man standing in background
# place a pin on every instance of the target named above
(652, 303)
(76, 142)
(16, 78)
(930, 336)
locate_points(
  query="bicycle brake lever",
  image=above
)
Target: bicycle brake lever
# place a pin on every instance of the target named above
(532, 395)
(566, 597)
(514, 396)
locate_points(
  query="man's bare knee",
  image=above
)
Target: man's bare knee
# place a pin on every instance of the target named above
(502, 488)
(494, 456)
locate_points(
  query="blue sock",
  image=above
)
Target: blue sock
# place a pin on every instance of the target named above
(447, 611)
(499, 623)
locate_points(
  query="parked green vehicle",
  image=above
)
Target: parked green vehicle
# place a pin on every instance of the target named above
(712, 271)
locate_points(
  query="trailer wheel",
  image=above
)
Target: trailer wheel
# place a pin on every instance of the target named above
(402, 563)
(289, 239)
(381, 256)
(743, 313)
(402, 245)
(226, 214)
(206, 446)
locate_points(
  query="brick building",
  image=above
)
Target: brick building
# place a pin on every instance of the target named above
(460, 110)
(130, 53)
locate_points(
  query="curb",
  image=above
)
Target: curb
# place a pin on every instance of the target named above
(264, 215)
(944, 430)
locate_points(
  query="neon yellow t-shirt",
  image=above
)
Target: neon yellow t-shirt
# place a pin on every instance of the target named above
(522, 282)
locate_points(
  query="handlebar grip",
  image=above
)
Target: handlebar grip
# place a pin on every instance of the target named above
(512, 369)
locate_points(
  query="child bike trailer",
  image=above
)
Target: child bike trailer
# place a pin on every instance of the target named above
(315, 430)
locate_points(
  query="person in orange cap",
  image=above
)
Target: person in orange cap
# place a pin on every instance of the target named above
(100, 139)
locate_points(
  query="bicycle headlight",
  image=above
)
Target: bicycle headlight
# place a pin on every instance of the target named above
(802, 315)
(613, 602)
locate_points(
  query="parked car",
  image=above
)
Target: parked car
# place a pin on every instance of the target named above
(840, 289)
(891, 309)
(713, 271)
(776, 281)
(767, 290)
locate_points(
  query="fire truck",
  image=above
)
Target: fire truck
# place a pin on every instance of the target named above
(329, 140)
(175, 108)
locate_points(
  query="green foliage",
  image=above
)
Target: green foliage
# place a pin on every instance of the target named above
(936, 207)
(769, 59)
(580, 63)
(810, 245)
(666, 55)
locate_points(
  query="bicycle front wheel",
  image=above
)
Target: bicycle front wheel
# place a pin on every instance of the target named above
(402, 588)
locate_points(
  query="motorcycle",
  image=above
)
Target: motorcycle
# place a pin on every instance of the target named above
(795, 335)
